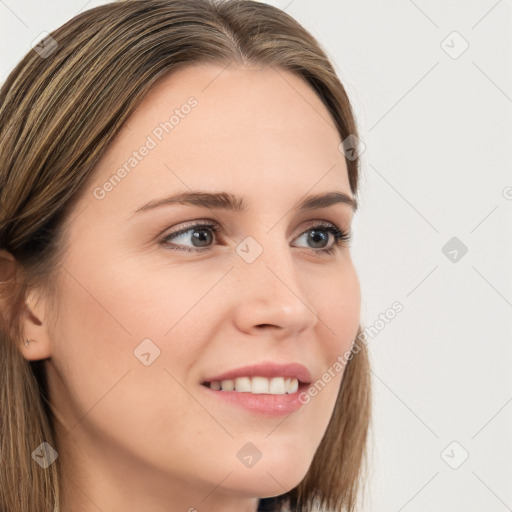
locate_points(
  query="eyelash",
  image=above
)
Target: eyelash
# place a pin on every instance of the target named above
(340, 237)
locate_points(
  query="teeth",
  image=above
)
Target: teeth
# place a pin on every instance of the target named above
(257, 385)
(243, 384)
(215, 385)
(293, 386)
(277, 386)
(227, 385)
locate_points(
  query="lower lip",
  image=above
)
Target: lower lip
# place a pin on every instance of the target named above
(261, 404)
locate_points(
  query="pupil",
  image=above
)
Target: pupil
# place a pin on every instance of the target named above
(198, 234)
(315, 234)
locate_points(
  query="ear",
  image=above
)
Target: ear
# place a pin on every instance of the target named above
(36, 340)
(33, 320)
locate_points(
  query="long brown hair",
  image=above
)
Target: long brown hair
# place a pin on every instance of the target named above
(58, 113)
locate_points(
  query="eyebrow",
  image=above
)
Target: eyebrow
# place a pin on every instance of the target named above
(227, 201)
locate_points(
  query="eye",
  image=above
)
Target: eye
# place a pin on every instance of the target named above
(320, 234)
(201, 234)
(204, 234)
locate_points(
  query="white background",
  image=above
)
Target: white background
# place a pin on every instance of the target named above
(437, 163)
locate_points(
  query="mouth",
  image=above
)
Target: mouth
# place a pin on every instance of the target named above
(261, 396)
(266, 389)
(257, 385)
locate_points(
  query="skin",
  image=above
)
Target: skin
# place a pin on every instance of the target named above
(133, 437)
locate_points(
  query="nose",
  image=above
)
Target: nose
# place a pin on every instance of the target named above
(271, 294)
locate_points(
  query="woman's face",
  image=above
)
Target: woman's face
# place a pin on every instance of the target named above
(147, 316)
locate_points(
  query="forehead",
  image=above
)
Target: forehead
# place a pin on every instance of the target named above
(210, 126)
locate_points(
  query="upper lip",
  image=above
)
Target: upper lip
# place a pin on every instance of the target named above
(289, 370)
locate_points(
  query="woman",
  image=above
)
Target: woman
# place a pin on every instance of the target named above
(180, 313)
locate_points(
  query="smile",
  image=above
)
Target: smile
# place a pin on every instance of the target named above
(256, 385)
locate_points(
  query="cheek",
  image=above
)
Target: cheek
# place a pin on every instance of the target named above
(92, 345)
(114, 318)
(102, 386)
(338, 305)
